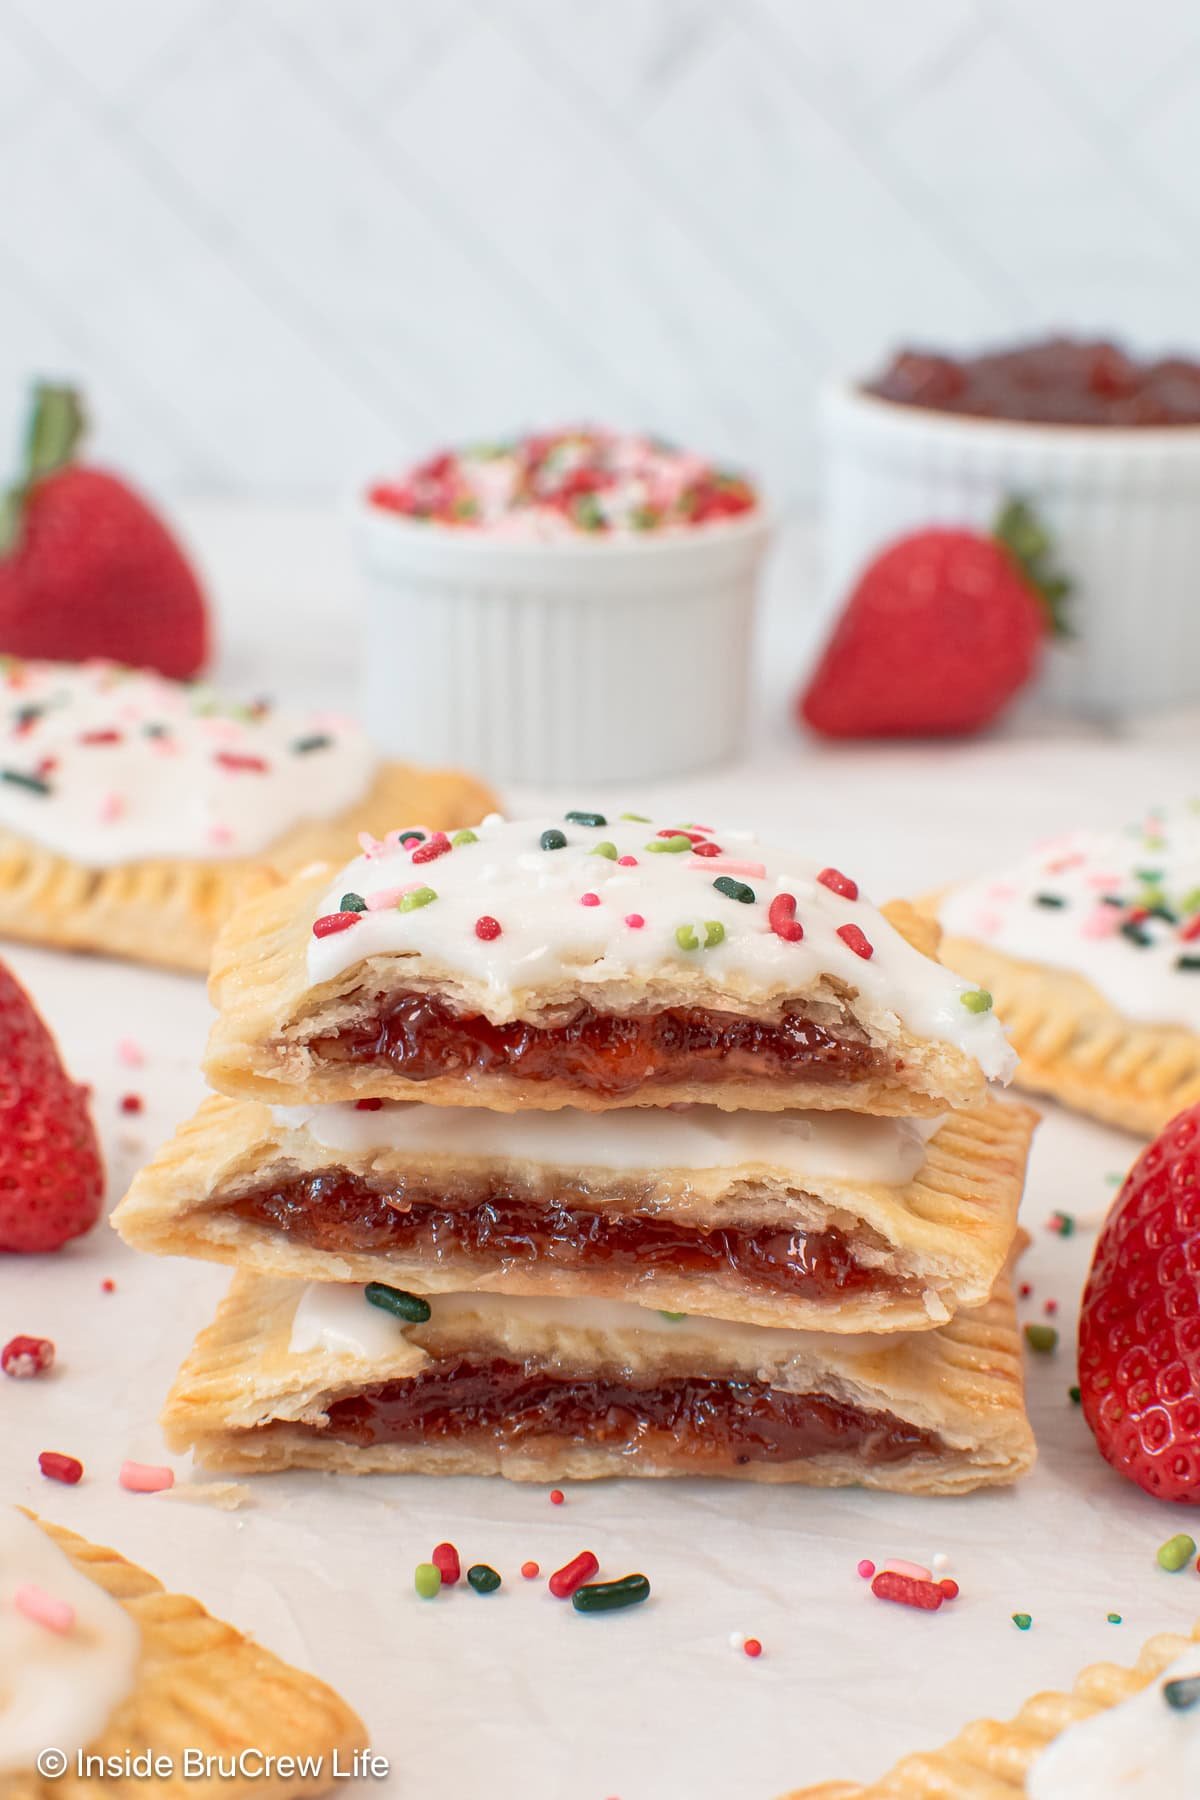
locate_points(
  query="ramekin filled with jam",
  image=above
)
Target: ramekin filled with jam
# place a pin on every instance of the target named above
(569, 605)
(1104, 443)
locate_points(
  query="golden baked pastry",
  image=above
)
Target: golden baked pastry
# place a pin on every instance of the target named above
(828, 1221)
(592, 964)
(153, 1672)
(296, 1376)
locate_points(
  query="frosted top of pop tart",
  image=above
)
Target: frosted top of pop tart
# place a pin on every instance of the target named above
(1145, 1748)
(107, 765)
(68, 1650)
(521, 905)
(1121, 908)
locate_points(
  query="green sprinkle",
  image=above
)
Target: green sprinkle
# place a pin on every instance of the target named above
(483, 1578)
(638, 818)
(464, 837)
(34, 783)
(672, 845)
(554, 839)
(735, 890)
(412, 837)
(318, 741)
(674, 1317)
(1075, 1396)
(419, 897)
(1191, 901)
(1022, 1621)
(1063, 1223)
(1187, 963)
(585, 818)
(409, 1307)
(687, 937)
(978, 1000)
(427, 1579)
(1113, 1618)
(604, 849)
(1176, 1553)
(1048, 900)
(1183, 1692)
(1042, 1338)
(352, 903)
(611, 1596)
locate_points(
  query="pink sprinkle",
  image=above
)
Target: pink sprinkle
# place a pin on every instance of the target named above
(130, 1052)
(44, 1609)
(627, 862)
(1107, 884)
(1062, 863)
(866, 1568)
(145, 1478)
(112, 808)
(634, 921)
(220, 834)
(914, 1571)
(385, 898)
(1002, 890)
(988, 923)
(371, 847)
(589, 899)
(1102, 923)
(726, 865)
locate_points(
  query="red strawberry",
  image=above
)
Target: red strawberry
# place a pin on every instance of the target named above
(942, 629)
(51, 1176)
(86, 568)
(1139, 1330)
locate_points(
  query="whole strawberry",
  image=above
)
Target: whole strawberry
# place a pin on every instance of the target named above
(86, 568)
(51, 1175)
(1139, 1329)
(941, 631)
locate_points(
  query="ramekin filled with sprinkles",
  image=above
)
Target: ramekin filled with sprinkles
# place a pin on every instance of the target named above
(570, 605)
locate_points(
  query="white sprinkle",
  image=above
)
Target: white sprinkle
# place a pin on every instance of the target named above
(737, 1640)
(939, 1563)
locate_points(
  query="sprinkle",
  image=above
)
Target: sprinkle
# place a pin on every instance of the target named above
(606, 849)
(432, 848)
(737, 1640)
(411, 836)
(1188, 964)
(131, 1103)
(483, 1578)
(112, 808)
(638, 818)
(752, 1647)
(674, 1317)
(54, 1467)
(1042, 1338)
(25, 1357)
(725, 865)
(239, 763)
(1048, 900)
(949, 1587)
(781, 917)
(837, 883)
(611, 1596)
(1050, 1308)
(33, 783)
(674, 831)
(1182, 1692)
(145, 1478)
(334, 922)
(634, 921)
(866, 1568)
(627, 862)
(1075, 1395)
(1022, 1621)
(352, 903)
(589, 899)
(925, 1595)
(914, 1571)
(1113, 1618)
(939, 1563)
(130, 1052)
(371, 1104)
(554, 839)
(585, 818)
(371, 847)
(1061, 1222)
(421, 896)
(427, 1579)
(581, 1568)
(856, 940)
(464, 837)
(734, 890)
(557, 1496)
(530, 1570)
(409, 1307)
(1176, 1553)
(43, 1609)
(977, 1000)
(672, 845)
(688, 938)
(1024, 1290)
(445, 1560)
(487, 928)
(384, 899)
(306, 745)
(714, 850)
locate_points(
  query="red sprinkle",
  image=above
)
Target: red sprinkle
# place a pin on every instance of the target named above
(627, 862)
(131, 1103)
(60, 1468)
(1050, 1308)
(856, 940)
(838, 883)
(108, 1285)
(781, 917)
(1191, 931)
(589, 899)
(926, 1595)
(445, 1558)
(866, 1568)
(371, 1105)
(949, 1587)
(331, 922)
(432, 848)
(487, 928)
(581, 1568)
(99, 737)
(707, 849)
(23, 1357)
(530, 1570)
(240, 761)
(1024, 1290)
(557, 1496)
(752, 1647)
(634, 921)
(693, 837)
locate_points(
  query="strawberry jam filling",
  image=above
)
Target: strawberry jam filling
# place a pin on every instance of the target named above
(601, 1053)
(698, 1419)
(337, 1211)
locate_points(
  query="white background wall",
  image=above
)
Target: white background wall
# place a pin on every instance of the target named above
(285, 241)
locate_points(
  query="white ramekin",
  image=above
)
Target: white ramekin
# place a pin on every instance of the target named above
(1123, 506)
(544, 663)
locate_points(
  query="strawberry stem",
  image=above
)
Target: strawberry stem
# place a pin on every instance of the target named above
(56, 425)
(1031, 547)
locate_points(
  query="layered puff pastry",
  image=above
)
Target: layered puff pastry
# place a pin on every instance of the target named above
(593, 963)
(296, 1376)
(98, 1661)
(1130, 1733)
(825, 1221)
(1091, 949)
(136, 813)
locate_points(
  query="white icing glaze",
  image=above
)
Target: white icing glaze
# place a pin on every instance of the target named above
(334, 1316)
(1083, 935)
(548, 933)
(57, 1689)
(165, 792)
(1142, 1749)
(847, 1147)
